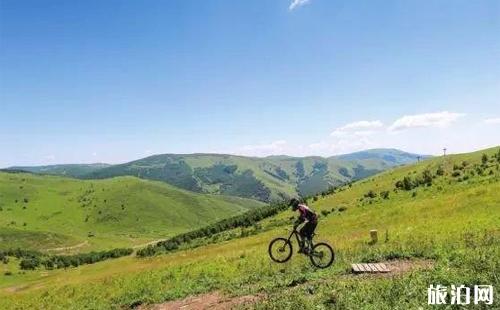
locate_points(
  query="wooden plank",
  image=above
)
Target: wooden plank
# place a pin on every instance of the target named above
(367, 268)
(374, 267)
(379, 268)
(370, 268)
(384, 267)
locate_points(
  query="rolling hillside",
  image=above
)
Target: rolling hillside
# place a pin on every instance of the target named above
(265, 179)
(441, 214)
(70, 170)
(41, 212)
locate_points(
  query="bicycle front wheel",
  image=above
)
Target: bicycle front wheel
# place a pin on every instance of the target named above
(322, 255)
(280, 250)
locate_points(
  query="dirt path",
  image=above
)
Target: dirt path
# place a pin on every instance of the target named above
(143, 245)
(213, 301)
(79, 245)
(217, 301)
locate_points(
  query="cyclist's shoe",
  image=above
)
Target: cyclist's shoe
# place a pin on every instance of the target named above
(304, 250)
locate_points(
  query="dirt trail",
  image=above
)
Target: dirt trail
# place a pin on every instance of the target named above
(143, 245)
(214, 301)
(217, 301)
(79, 245)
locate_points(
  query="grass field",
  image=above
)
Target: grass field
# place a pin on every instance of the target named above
(454, 223)
(44, 212)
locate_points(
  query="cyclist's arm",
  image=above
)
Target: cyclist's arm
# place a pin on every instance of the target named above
(299, 221)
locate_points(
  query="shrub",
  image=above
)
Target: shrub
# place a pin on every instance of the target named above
(371, 194)
(384, 194)
(342, 209)
(414, 194)
(8, 273)
(426, 178)
(484, 159)
(440, 170)
(455, 174)
(29, 263)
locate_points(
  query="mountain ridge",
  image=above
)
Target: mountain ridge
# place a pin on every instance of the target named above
(269, 178)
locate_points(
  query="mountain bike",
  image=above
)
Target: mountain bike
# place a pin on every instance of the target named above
(321, 254)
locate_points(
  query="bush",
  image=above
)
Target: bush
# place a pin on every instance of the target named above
(484, 159)
(440, 170)
(384, 194)
(29, 263)
(455, 174)
(426, 178)
(371, 194)
(406, 184)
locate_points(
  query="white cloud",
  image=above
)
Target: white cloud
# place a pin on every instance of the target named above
(94, 154)
(50, 157)
(360, 128)
(495, 120)
(297, 3)
(438, 119)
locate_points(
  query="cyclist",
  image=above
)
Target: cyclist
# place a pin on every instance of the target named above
(306, 215)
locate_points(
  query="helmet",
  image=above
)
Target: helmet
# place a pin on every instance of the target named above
(294, 203)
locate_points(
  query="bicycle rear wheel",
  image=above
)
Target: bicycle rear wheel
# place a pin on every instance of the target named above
(322, 255)
(280, 250)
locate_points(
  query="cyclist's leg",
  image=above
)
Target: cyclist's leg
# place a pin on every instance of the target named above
(306, 233)
(303, 237)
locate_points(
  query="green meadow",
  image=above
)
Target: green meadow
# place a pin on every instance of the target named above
(445, 212)
(50, 212)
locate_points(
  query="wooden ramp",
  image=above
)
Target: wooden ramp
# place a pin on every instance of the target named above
(370, 268)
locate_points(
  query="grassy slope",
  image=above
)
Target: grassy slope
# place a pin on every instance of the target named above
(454, 223)
(72, 170)
(120, 212)
(319, 173)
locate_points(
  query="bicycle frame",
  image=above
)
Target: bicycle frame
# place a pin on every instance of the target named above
(298, 237)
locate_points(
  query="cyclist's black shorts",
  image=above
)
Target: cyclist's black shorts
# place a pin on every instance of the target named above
(308, 229)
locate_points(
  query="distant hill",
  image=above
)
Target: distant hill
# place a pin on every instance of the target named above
(43, 211)
(265, 179)
(71, 170)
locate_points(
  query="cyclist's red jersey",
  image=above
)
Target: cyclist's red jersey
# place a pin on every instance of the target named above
(307, 214)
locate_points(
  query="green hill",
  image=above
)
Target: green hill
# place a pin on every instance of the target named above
(442, 213)
(265, 179)
(70, 170)
(40, 211)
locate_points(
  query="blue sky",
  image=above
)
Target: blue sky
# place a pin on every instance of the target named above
(112, 81)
